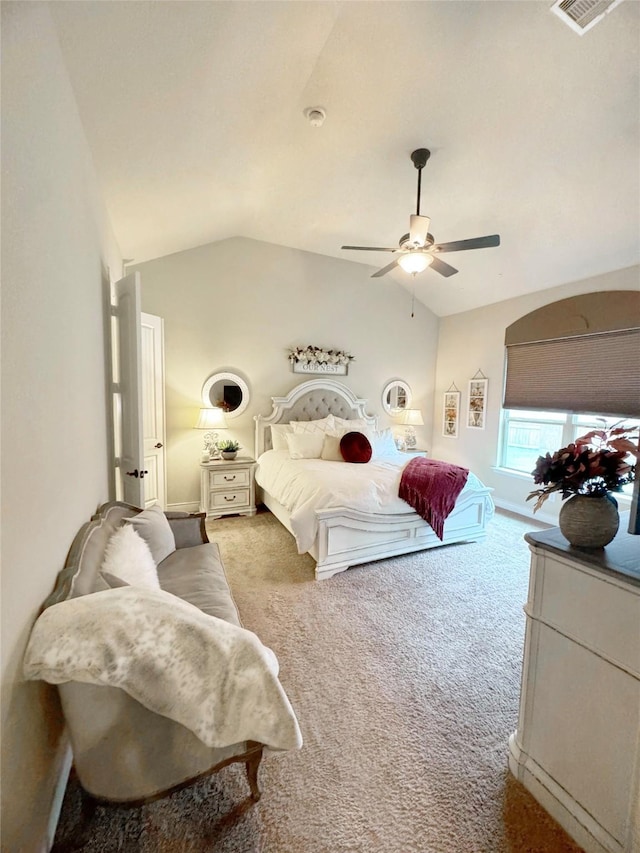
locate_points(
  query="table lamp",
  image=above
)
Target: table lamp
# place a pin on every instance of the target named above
(211, 419)
(411, 418)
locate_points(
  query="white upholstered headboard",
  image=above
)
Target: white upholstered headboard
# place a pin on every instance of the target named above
(310, 401)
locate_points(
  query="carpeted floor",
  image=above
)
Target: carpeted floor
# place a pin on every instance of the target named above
(405, 676)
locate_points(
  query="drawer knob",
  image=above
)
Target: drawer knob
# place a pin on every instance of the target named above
(230, 499)
(230, 479)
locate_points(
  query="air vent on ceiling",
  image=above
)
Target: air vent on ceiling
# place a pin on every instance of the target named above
(581, 15)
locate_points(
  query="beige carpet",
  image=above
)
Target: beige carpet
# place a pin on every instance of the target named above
(405, 677)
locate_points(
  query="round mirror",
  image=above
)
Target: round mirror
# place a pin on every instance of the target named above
(396, 397)
(226, 391)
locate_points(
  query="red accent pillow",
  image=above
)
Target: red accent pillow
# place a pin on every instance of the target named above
(355, 447)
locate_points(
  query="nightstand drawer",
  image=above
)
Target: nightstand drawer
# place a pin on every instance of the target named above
(229, 479)
(224, 500)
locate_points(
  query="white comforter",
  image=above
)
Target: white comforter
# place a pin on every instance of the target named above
(303, 486)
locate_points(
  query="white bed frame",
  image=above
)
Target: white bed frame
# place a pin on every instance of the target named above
(348, 537)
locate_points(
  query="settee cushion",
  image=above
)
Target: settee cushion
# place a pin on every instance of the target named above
(152, 525)
(197, 575)
(188, 528)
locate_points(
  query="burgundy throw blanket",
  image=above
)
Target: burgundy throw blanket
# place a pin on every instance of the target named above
(431, 488)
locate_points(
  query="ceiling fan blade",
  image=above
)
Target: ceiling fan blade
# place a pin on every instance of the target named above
(444, 269)
(418, 229)
(369, 248)
(386, 269)
(473, 243)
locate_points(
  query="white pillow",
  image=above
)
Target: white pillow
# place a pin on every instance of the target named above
(305, 446)
(313, 427)
(355, 425)
(331, 447)
(279, 434)
(383, 443)
(127, 557)
(156, 531)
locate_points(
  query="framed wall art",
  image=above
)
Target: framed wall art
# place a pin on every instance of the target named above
(476, 415)
(451, 412)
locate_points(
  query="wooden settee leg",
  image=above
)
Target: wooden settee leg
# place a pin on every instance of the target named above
(253, 764)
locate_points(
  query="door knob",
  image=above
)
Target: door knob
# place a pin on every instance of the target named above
(158, 445)
(135, 473)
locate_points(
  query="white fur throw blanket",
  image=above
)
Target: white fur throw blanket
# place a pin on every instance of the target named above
(214, 678)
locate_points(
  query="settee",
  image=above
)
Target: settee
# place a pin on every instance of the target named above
(132, 745)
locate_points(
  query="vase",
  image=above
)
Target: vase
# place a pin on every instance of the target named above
(229, 454)
(589, 521)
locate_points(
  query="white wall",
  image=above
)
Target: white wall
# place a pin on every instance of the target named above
(240, 304)
(56, 246)
(475, 340)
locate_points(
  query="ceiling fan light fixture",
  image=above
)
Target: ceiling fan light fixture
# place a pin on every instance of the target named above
(415, 262)
(415, 248)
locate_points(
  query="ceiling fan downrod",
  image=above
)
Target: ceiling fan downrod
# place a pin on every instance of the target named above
(419, 158)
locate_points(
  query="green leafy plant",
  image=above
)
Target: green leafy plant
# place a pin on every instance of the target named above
(596, 463)
(228, 445)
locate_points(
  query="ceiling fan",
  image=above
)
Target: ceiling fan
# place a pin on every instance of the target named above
(417, 250)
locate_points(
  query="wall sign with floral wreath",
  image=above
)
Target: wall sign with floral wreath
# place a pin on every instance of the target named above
(319, 360)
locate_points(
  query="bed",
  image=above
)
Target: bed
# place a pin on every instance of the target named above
(350, 514)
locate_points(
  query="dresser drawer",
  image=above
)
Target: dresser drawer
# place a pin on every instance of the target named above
(224, 500)
(228, 479)
(591, 609)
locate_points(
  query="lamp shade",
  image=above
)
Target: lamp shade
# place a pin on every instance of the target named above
(411, 417)
(212, 418)
(415, 262)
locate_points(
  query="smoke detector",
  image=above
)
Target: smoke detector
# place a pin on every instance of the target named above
(581, 15)
(315, 116)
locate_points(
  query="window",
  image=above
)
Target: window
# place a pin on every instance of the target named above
(529, 434)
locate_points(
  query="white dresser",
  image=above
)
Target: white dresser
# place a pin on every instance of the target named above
(577, 746)
(227, 487)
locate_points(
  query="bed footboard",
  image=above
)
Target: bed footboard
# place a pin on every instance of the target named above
(347, 537)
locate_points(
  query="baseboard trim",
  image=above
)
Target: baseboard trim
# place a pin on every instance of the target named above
(525, 512)
(509, 506)
(191, 506)
(58, 794)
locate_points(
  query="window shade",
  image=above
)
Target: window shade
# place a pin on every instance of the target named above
(593, 373)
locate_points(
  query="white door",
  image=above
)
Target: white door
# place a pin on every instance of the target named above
(127, 395)
(152, 358)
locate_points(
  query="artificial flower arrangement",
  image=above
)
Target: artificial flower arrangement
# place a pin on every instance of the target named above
(595, 464)
(319, 355)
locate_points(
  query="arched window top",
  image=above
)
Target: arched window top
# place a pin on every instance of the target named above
(586, 314)
(577, 355)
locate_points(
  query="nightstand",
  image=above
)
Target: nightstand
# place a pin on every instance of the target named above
(415, 453)
(227, 487)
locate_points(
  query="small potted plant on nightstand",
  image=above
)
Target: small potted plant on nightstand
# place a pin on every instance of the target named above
(228, 448)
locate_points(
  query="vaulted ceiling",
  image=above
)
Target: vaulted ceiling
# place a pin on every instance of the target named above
(194, 112)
